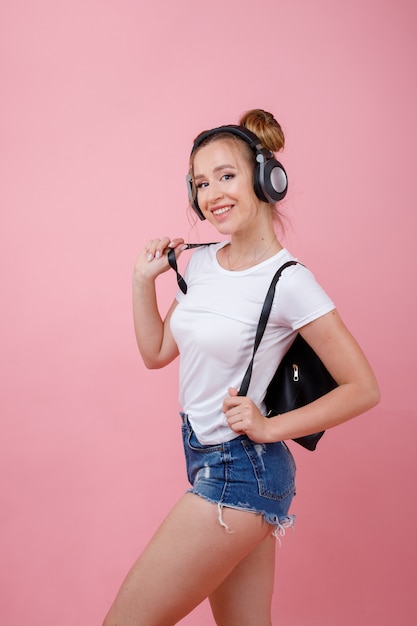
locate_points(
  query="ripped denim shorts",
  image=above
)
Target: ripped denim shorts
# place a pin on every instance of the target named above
(242, 474)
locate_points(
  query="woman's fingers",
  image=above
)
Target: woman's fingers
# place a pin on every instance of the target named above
(156, 248)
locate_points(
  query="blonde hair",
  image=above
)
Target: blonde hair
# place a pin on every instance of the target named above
(259, 122)
(265, 127)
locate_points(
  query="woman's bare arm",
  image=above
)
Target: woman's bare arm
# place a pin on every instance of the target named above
(357, 389)
(153, 334)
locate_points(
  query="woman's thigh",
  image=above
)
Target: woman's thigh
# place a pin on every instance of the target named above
(244, 598)
(190, 555)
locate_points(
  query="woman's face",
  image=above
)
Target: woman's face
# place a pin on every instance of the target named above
(224, 183)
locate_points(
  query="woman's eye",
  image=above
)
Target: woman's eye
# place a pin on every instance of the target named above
(201, 185)
(227, 176)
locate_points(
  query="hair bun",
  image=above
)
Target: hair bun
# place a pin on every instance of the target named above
(265, 126)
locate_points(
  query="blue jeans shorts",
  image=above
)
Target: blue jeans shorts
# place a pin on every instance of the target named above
(242, 474)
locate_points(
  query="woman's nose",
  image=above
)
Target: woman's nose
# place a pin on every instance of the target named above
(214, 192)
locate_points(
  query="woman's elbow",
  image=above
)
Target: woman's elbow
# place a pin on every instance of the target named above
(152, 364)
(371, 396)
(159, 361)
(375, 396)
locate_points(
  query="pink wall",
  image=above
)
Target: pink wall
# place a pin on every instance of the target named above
(99, 103)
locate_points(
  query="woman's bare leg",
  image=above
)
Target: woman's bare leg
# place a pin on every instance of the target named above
(244, 598)
(188, 558)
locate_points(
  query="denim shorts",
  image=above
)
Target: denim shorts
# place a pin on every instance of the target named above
(242, 474)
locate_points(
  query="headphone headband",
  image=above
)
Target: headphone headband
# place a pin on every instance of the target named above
(233, 129)
(270, 180)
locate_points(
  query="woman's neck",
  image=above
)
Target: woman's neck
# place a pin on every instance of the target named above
(245, 252)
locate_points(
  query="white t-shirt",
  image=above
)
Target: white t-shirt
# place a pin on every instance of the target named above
(214, 326)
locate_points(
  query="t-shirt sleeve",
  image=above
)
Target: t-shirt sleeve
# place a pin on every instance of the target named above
(300, 299)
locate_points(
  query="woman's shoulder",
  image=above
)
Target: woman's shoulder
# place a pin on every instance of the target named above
(298, 271)
(299, 295)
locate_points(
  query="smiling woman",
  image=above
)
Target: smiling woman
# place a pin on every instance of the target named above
(268, 175)
(223, 177)
(224, 185)
(241, 472)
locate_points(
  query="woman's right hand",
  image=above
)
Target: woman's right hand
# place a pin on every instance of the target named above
(153, 334)
(153, 260)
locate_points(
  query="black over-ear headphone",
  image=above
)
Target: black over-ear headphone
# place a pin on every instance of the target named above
(270, 179)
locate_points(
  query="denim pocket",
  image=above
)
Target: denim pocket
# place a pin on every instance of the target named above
(197, 455)
(274, 468)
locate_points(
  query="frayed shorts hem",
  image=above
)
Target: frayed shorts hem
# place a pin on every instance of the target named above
(279, 525)
(244, 475)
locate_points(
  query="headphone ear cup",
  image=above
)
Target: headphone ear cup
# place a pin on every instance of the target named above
(276, 181)
(192, 197)
(271, 182)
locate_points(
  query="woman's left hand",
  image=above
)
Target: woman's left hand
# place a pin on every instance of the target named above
(244, 417)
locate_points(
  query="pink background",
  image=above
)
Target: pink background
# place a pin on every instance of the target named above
(99, 103)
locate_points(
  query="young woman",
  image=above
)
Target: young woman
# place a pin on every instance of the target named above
(219, 540)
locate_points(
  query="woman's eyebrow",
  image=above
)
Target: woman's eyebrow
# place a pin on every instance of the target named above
(218, 168)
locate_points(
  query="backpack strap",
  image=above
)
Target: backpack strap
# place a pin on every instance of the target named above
(265, 312)
(263, 320)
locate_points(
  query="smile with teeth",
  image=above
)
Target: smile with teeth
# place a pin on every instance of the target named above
(224, 209)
